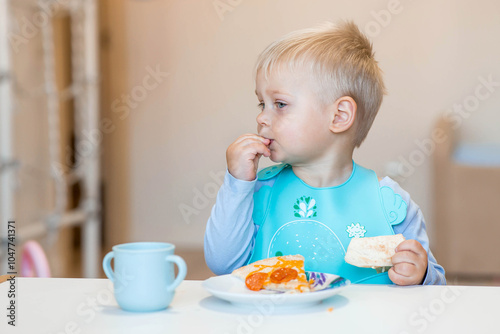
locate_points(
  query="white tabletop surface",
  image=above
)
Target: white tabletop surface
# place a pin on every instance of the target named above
(56, 305)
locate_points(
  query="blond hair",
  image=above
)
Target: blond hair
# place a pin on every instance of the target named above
(342, 62)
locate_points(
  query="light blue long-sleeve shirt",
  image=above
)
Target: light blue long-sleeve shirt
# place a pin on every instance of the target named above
(230, 233)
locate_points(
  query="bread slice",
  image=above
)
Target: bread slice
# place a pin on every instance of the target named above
(274, 274)
(373, 252)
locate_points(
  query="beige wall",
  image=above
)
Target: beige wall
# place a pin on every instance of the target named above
(34, 188)
(432, 54)
(115, 143)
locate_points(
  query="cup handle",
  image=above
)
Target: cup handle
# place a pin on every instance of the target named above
(182, 270)
(106, 265)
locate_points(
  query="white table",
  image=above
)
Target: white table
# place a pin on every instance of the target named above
(55, 305)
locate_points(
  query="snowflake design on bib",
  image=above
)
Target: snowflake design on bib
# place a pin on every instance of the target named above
(356, 231)
(305, 207)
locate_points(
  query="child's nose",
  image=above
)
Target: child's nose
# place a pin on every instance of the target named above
(263, 119)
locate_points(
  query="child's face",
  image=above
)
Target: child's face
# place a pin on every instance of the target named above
(292, 117)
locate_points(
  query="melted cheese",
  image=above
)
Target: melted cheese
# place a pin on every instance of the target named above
(281, 262)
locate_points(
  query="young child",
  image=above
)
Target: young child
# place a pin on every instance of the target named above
(319, 91)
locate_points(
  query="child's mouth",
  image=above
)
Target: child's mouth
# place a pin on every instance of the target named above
(270, 140)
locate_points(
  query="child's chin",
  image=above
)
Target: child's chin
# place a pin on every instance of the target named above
(275, 158)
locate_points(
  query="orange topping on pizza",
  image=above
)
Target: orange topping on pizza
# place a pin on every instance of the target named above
(281, 273)
(255, 281)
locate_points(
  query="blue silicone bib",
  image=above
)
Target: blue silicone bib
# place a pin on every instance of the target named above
(319, 223)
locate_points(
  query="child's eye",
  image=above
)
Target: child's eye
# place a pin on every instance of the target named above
(280, 105)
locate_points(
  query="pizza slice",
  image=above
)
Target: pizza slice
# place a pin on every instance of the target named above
(281, 273)
(373, 252)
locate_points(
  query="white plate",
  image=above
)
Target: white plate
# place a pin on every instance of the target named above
(233, 290)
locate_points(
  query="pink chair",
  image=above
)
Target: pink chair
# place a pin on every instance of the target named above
(34, 262)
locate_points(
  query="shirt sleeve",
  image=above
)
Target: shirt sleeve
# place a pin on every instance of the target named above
(230, 231)
(413, 227)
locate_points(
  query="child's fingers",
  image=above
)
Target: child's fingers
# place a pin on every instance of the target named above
(251, 137)
(411, 246)
(253, 149)
(405, 256)
(248, 146)
(406, 269)
(252, 142)
(243, 155)
(409, 263)
(398, 278)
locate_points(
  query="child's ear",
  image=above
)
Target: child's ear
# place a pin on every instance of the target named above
(344, 114)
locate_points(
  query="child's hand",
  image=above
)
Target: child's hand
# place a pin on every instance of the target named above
(243, 156)
(410, 263)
